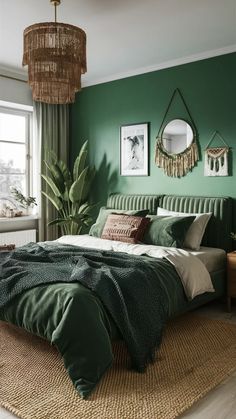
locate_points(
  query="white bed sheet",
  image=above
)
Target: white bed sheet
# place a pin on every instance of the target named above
(192, 271)
(214, 259)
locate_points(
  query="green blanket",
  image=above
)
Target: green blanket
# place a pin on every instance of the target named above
(132, 290)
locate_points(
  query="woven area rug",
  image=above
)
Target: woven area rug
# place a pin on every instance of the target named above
(196, 355)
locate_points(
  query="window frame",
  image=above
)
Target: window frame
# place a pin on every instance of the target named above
(28, 114)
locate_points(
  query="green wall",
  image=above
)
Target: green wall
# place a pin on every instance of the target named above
(209, 89)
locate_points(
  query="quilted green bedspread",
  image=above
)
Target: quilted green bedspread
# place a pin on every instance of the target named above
(80, 299)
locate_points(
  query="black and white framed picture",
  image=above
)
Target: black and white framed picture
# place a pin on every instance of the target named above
(134, 150)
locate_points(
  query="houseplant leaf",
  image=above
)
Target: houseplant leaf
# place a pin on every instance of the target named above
(76, 193)
(52, 185)
(59, 221)
(65, 171)
(79, 163)
(54, 200)
(58, 177)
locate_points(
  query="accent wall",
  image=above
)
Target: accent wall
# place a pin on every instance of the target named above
(209, 89)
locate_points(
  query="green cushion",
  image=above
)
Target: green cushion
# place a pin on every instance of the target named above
(97, 228)
(167, 231)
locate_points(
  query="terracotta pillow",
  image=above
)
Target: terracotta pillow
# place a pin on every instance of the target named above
(97, 228)
(125, 228)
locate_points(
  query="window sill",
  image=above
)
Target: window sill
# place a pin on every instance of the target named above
(26, 222)
(15, 219)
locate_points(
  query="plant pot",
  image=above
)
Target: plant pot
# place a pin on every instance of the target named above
(28, 211)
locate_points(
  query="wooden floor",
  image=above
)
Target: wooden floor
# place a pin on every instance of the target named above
(219, 403)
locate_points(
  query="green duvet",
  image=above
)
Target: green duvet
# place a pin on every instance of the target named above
(71, 317)
(81, 299)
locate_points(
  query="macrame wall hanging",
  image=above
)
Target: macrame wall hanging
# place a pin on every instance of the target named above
(176, 164)
(216, 158)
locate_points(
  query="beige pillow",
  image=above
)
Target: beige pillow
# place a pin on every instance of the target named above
(196, 231)
(194, 276)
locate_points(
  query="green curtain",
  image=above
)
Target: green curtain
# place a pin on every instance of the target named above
(51, 131)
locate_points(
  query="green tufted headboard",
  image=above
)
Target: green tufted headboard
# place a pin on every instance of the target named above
(220, 225)
(134, 202)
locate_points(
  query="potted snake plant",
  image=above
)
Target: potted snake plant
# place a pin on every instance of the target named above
(69, 192)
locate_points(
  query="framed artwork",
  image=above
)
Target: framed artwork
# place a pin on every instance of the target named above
(134, 149)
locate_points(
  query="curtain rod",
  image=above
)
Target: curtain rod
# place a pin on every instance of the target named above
(12, 78)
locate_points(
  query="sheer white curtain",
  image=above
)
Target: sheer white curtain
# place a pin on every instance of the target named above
(51, 132)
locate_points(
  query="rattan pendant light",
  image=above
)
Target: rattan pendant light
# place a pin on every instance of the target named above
(56, 57)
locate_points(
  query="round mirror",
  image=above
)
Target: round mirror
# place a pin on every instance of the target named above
(177, 136)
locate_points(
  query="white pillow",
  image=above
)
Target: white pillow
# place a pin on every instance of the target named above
(196, 231)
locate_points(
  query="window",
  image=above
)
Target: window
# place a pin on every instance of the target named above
(15, 145)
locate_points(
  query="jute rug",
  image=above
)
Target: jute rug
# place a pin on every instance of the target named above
(196, 355)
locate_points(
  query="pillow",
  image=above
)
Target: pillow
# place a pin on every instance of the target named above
(197, 229)
(97, 228)
(125, 228)
(194, 276)
(167, 231)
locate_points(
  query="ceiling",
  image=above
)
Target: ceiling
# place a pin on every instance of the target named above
(126, 37)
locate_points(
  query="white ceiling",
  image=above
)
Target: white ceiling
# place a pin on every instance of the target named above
(126, 37)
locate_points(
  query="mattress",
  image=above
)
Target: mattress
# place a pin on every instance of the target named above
(214, 259)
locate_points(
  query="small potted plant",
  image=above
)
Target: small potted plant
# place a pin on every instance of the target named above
(233, 236)
(26, 203)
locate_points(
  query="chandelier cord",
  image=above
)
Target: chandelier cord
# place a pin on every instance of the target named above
(55, 3)
(55, 9)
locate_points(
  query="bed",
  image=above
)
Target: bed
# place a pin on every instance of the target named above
(51, 289)
(216, 236)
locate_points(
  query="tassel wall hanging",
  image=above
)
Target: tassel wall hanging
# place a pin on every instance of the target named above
(176, 165)
(216, 158)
